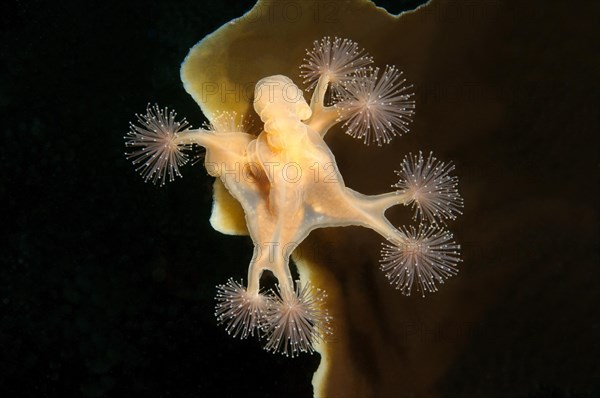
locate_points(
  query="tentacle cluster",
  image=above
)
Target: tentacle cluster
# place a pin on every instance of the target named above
(374, 107)
(433, 192)
(291, 322)
(240, 311)
(155, 146)
(428, 255)
(224, 122)
(336, 58)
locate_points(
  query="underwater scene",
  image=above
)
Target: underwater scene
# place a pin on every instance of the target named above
(300, 198)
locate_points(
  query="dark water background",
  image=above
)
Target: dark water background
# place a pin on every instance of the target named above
(107, 284)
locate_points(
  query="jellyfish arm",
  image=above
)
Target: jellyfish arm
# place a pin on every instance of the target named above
(323, 117)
